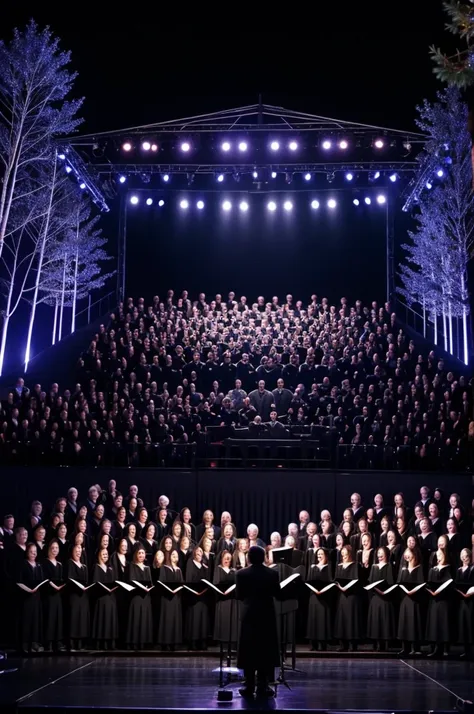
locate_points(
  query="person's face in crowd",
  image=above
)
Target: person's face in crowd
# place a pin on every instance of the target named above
(62, 531)
(168, 544)
(132, 505)
(53, 550)
(140, 555)
(82, 512)
(163, 501)
(159, 558)
(123, 547)
(465, 557)
(228, 532)
(36, 509)
(174, 558)
(424, 493)
(103, 555)
(77, 552)
(99, 512)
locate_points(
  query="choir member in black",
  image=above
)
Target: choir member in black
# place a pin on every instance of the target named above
(319, 627)
(78, 605)
(438, 622)
(240, 557)
(227, 613)
(454, 538)
(402, 532)
(310, 555)
(119, 564)
(427, 542)
(347, 530)
(177, 532)
(140, 618)
(347, 517)
(395, 550)
(105, 620)
(78, 539)
(328, 535)
(227, 541)
(105, 541)
(381, 615)
(61, 538)
(170, 628)
(31, 620)
(208, 556)
(162, 524)
(465, 609)
(15, 557)
(185, 518)
(52, 599)
(81, 527)
(119, 524)
(184, 552)
(209, 533)
(39, 539)
(207, 522)
(410, 619)
(348, 628)
(365, 557)
(158, 562)
(355, 539)
(132, 510)
(56, 519)
(141, 521)
(196, 624)
(167, 545)
(385, 525)
(379, 507)
(297, 557)
(372, 524)
(442, 544)
(132, 539)
(148, 540)
(339, 543)
(435, 519)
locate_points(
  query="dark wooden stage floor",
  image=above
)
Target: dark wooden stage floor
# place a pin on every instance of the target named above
(188, 683)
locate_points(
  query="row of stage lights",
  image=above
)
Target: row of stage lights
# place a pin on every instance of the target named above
(243, 146)
(308, 176)
(272, 206)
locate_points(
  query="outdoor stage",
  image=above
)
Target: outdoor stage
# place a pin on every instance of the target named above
(327, 683)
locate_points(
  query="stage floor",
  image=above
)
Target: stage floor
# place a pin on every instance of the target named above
(188, 683)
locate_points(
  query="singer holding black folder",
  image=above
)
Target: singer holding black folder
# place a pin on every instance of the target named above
(170, 627)
(105, 620)
(319, 627)
(31, 621)
(465, 609)
(140, 619)
(410, 621)
(79, 611)
(381, 615)
(348, 626)
(438, 623)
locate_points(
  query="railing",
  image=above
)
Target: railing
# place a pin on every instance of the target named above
(96, 309)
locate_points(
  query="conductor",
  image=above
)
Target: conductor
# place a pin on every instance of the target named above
(258, 650)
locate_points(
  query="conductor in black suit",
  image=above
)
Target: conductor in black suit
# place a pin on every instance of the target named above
(258, 650)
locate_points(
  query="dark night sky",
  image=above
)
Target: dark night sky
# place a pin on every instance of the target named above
(366, 62)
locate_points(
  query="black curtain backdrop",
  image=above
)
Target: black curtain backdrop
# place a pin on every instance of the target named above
(271, 499)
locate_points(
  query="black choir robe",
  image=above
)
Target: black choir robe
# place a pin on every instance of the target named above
(78, 605)
(381, 615)
(410, 617)
(319, 624)
(53, 603)
(170, 628)
(348, 624)
(227, 612)
(31, 620)
(140, 618)
(196, 621)
(464, 606)
(439, 621)
(105, 620)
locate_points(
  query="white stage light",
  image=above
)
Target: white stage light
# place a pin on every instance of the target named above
(356, 202)
(307, 177)
(134, 200)
(244, 206)
(332, 203)
(429, 185)
(154, 147)
(326, 144)
(378, 144)
(146, 146)
(274, 174)
(220, 178)
(243, 146)
(349, 176)
(440, 173)
(184, 204)
(292, 146)
(82, 185)
(315, 204)
(225, 146)
(274, 146)
(255, 174)
(149, 202)
(226, 206)
(367, 200)
(343, 144)
(288, 206)
(393, 177)
(122, 179)
(381, 199)
(200, 205)
(161, 202)
(185, 146)
(61, 156)
(127, 146)
(271, 205)
(68, 169)
(166, 178)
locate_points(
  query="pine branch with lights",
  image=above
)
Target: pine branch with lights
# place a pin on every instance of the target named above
(457, 69)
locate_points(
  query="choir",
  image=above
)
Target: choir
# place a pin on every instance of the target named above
(109, 573)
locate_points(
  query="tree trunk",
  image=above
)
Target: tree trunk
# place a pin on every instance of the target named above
(445, 331)
(8, 189)
(63, 290)
(435, 324)
(74, 295)
(465, 337)
(55, 322)
(424, 318)
(450, 314)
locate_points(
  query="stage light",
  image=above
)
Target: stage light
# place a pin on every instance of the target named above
(274, 174)
(226, 206)
(134, 200)
(225, 146)
(61, 156)
(343, 144)
(154, 147)
(243, 146)
(271, 205)
(378, 143)
(184, 204)
(161, 202)
(82, 185)
(349, 176)
(185, 146)
(315, 204)
(393, 177)
(440, 173)
(68, 169)
(244, 206)
(368, 200)
(149, 202)
(166, 178)
(122, 179)
(356, 202)
(381, 199)
(255, 174)
(332, 203)
(146, 146)
(292, 146)
(220, 178)
(200, 205)
(326, 144)
(374, 176)
(429, 185)
(274, 146)
(288, 206)
(307, 177)
(127, 146)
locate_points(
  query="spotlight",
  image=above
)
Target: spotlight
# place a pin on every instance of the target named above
(307, 177)
(393, 177)
(200, 205)
(122, 179)
(166, 178)
(149, 202)
(255, 174)
(127, 146)
(440, 173)
(226, 205)
(244, 206)
(225, 146)
(146, 146)
(326, 144)
(134, 200)
(274, 174)
(161, 202)
(271, 205)
(185, 146)
(331, 175)
(367, 200)
(154, 147)
(82, 185)
(376, 175)
(407, 146)
(68, 169)
(429, 185)
(61, 156)
(378, 143)
(184, 204)
(343, 144)
(332, 203)
(315, 204)
(274, 146)
(349, 176)
(243, 146)
(292, 146)
(288, 205)
(220, 178)
(381, 199)
(356, 202)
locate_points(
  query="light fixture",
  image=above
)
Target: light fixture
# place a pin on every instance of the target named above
(356, 202)
(315, 204)
(274, 146)
(225, 146)
(185, 146)
(154, 147)
(146, 146)
(82, 185)
(161, 202)
(61, 156)
(440, 173)
(429, 185)
(255, 174)
(307, 177)
(149, 202)
(127, 146)
(332, 203)
(378, 143)
(68, 169)
(271, 205)
(381, 199)
(134, 200)
(393, 177)
(166, 178)
(200, 205)
(288, 177)
(244, 206)
(343, 144)
(243, 146)
(288, 206)
(274, 174)
(220, 178)
(292, 145)
(349, 176)
(326, 144)
(367, 200)
(184, 204)
(122, 179)
(226, 206)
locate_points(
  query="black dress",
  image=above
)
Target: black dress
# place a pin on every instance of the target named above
(105, 620)
(465, 615)
(410, 620)
(78, 606)
(438, 622)
(381, 616)
(170, 628)
(140, 618)
(319, 626)
(227, 613)
(53, 603)
(286, 603)
(31, 620)
(196, 621)
(349, 620)
(120, 571)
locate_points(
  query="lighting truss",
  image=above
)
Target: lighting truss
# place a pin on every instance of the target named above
(85, 176)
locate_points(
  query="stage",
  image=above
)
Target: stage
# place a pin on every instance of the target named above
(168, 683)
